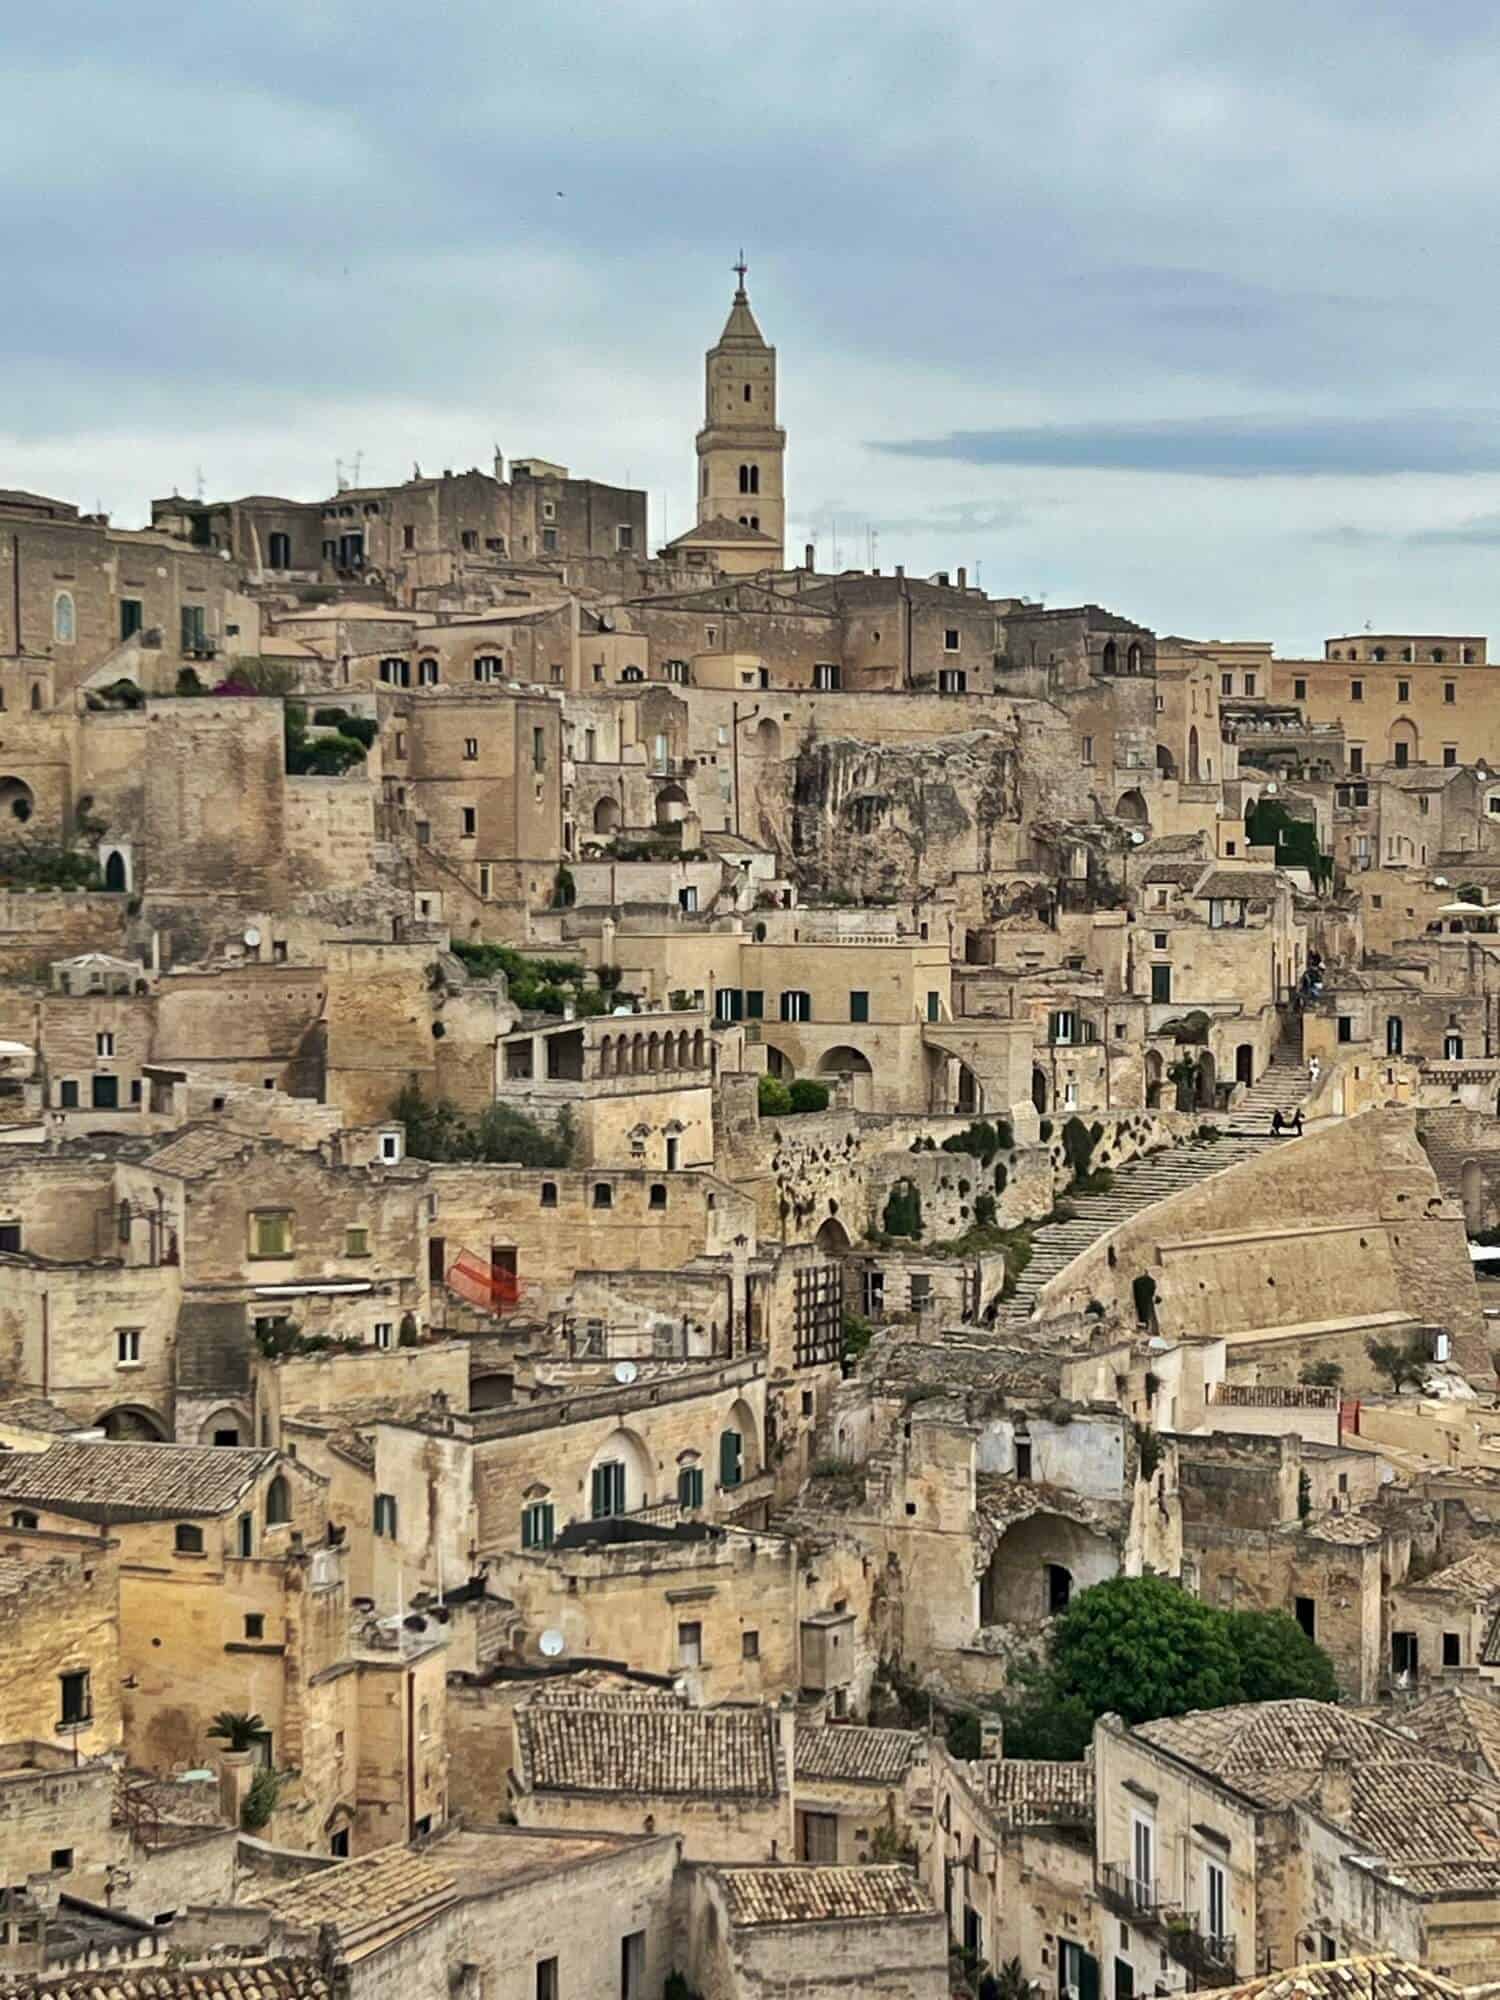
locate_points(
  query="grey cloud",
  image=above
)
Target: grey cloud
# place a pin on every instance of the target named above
(1234, 447)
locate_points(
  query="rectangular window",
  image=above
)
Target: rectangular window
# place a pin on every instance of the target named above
(76, 1703)
(1161, 983)
(755, 1004)
(1450, 755)
(1356, 758)
(690, 1488)
(796, 1006)
(1346, 1027)
(128, 1347)
(690, 1644)
(194, 630)
(749, 1645)
(385, 1515)
(950, 639)
(538, 749)
(1249, 683)
(1215, 1901)
(1305, 1611)
(1450, 692)
(625, 536)
(952, 680)
(357, 1242)
(537, 1525)
(271, 1232)
(130, 617)
(1403, 690)
(826, 678)
(470, 539)
(1062, 1026)
(731, 1459)
(1402, 755)
(1299, 690)
(687, 900)
(547, 1987)
(484, 878)
(104, 1043)
(1143, 1858)
(385, 1332)
(408, 536)
(549, 541)
(67, 1095)
(255, 1625)
(607, 1489)
(934, 1006)
(1088, 750)
(859, 1006)
(470, 822)
(471, 748)
(1453, 1649)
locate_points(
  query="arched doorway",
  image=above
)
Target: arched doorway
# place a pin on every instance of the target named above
(17, 800)
(768, 739)
(1131, 807)
(1039, 1087)
(1206, 1083)
(115, 878)
(132, 1423)
(1244, 1063)
(970, 1098)
(1166, 763)
(1111, 657)
(850, 1062)
(1156, 1072)
(833, 1238)
(1037, 1567)
(619, 1479)
(671, 805)
(606, 815)
(1404, 743)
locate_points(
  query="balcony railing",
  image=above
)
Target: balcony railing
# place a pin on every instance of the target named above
(1130, 1895)
(1209, 1957)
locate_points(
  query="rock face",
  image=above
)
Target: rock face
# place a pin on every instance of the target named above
(877, 822)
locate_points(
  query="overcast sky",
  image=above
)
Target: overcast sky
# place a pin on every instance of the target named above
(1184, 308)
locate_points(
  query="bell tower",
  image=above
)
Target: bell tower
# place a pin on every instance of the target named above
(741, 448)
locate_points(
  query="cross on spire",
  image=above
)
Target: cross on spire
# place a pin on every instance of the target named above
(740, 269)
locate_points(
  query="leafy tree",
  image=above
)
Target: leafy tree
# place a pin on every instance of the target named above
(807, 1094)
(772, 1097)
(1402, 1363)
(1320, 1374)
(1269, 824)
(903, 1211)
(500, 1135)
(1278, 1662)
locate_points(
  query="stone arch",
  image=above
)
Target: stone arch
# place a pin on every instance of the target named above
(606, 815)
(624, 1447)
(493, 1391)
(970, 1096)
(768, 739)
(606, 1055)
(1166, 763)
(671, 805)
(684, 1050)
(1131, 806)
(225, 1426)
(742, 1419)
(1111, 657)
(133, 1423)
(116, 871)
(638, 1055)
(1024, 1579)
(844, 1060)
(653, 1051)
(833, 1238)
(697, 1048)
(1244, 1063)
(17, 800)
(1134, 657)
(1403, 742)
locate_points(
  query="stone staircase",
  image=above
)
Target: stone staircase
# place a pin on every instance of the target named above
(1281, 1087)
(1135, 1187)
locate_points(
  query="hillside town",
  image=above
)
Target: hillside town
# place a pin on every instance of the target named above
(723, 1279)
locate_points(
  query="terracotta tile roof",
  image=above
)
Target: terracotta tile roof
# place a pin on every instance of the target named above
(199, 1150)
(1255, 1741)
(649, 1750)
(1036, 1791)
(132, 1481)
(1460, 1723)
(721, 529)
(821, 1895)
(35, 1413)
(352, 1894)
(857, 1756)
(271, 1979)
(1378, 1978)
(1476, 1577)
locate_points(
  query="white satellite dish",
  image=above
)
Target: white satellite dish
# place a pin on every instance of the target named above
(626, 1371)
(252, 937)
(552, 1643)
(1136, 839)
(1270, 788)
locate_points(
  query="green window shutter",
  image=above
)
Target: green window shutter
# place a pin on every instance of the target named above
(690, 1487)
(599, 1501)
(755, 1005)
(859, 1006)
(729, 1458)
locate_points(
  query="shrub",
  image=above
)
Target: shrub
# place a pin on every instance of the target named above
(773, 1098)
(984, 1210)
(903, 1211)
(1320, 1374)
(501, 1134)
(809, 1095)
(1078, 1144)
(260, 1800)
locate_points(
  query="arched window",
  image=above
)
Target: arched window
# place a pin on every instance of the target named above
(278, 1502)
(280, 551)
(1133, 659)
(36, 694)
(64, 618)
(1111, 657)
(187, 1539)
(749, 479)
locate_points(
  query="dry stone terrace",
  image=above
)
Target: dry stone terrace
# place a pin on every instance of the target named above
(629, 1175)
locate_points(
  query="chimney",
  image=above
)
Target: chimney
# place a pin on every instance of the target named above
(901, 569)
(807, 557)
(963, 578)
(1336, 1787)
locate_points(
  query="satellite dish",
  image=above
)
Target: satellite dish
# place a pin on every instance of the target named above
(1271, 787)
(1136, 839)
(552, 1643)
(626, 1371)
(252, 937)
(1439, 881)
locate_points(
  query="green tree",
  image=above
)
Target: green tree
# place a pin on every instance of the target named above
(807, 1094)
(1320, 1374)
(772, 1097)
(1278, 1662)
(1401, 1364)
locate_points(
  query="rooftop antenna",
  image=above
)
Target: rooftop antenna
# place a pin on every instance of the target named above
(874, 545)
(198, 482)
(359, 459)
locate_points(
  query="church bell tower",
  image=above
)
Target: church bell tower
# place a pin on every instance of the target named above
(741, 448)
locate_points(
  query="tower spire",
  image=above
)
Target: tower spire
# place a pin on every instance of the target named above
(739, 270)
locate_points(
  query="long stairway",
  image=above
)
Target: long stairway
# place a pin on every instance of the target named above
(1134, 1187)
(1282, 1087)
